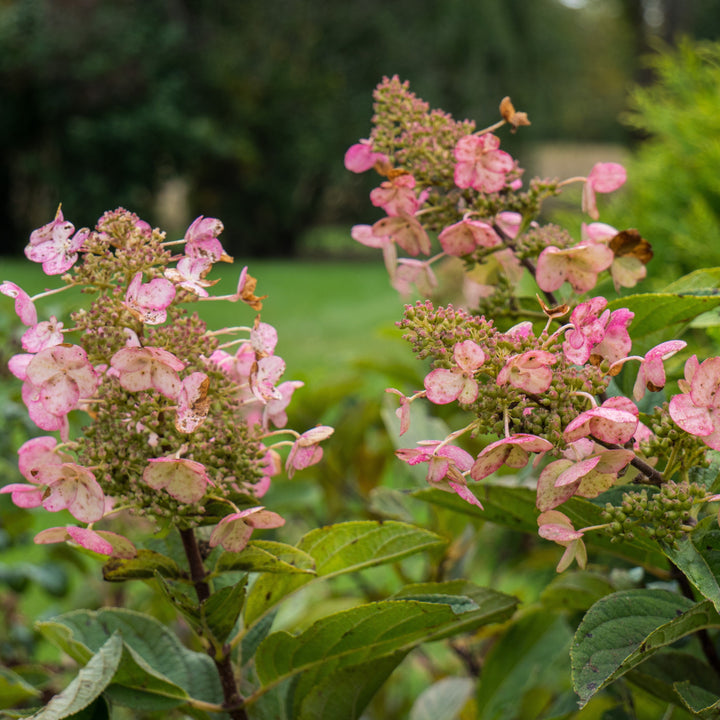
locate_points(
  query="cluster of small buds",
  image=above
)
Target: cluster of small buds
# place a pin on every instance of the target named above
(665, 513)
(446, 177)
(181, 431)
(682, 450)
(536, 375)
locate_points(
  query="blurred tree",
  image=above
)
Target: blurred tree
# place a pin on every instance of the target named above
(673, 194)
(253, 103)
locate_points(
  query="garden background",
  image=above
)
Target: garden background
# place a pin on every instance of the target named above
(243, 111)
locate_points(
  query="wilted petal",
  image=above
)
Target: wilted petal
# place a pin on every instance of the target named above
(74, 488)
(193, 402)
(24, 307)
(185, 480)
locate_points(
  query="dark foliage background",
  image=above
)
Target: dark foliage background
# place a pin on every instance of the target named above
(243, 110)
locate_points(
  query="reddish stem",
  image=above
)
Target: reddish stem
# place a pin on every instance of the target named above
(234, 702)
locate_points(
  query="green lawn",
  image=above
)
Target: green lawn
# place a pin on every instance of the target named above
(328, 314)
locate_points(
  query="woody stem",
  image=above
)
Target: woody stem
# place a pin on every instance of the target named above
(233, 701)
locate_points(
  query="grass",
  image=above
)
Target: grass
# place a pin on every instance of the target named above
(328, 314)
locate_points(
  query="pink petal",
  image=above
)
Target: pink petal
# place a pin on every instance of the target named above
(443, 386)
(24, 496)
(185, 480)
(24, 307)
(468, 355)
(549, 496)
(406, 231)
(691, 418)
(607, 177)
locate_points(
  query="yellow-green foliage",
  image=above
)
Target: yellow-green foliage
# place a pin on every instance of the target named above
(673, 191)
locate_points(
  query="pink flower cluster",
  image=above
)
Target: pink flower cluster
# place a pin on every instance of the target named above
(175, 419)
(424, 181)
(540, 391)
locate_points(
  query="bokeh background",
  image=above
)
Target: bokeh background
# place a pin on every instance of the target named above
(243, 110)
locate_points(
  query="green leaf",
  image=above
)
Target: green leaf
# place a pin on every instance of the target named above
(343, 694)
(705, 280)
(90, 682)
(255, 635)
(469, 601)
(513, 506)
(222, 609)
(266, 556)
(627, 627)
(698, 557)
(576, 590)
(669, 675)
(339, 549)
(14, 689)
(664, 311)
(374, 631)
(141, 567)
(525, 658)
(182, 602)
(443, 700)
(156, 672)
(276, 704)
(703, 703)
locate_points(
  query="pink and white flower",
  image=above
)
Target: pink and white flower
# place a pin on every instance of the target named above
(513, 451)
(55, 246)
(149, 301)
(99, 541)
(615, 421)
(185, 480)
(190, 274)
(556, 526)
(201, 240)
(61, 376)
(72, 487)
(406, 231)
(396, 196)
(445, 385)
(233, 531)
(697, 409)
(145, 368)
(616, 343)
(480, 164)
(651, 375)
(193, 403)
(275, 407)
(529, 371)
(43, 335)
(588, 320)
(24, 306)
(447, 465)
(466, 236)
(306, 450)
(579, 265)
(414, 272)
(361, 157)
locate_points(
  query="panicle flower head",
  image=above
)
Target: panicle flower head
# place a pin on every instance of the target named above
(174, 420)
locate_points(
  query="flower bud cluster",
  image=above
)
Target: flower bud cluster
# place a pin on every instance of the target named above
(668, 441)
(180, 430)
(665, 513)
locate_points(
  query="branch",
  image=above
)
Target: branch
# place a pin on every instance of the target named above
(234, 703)
(654, 476)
